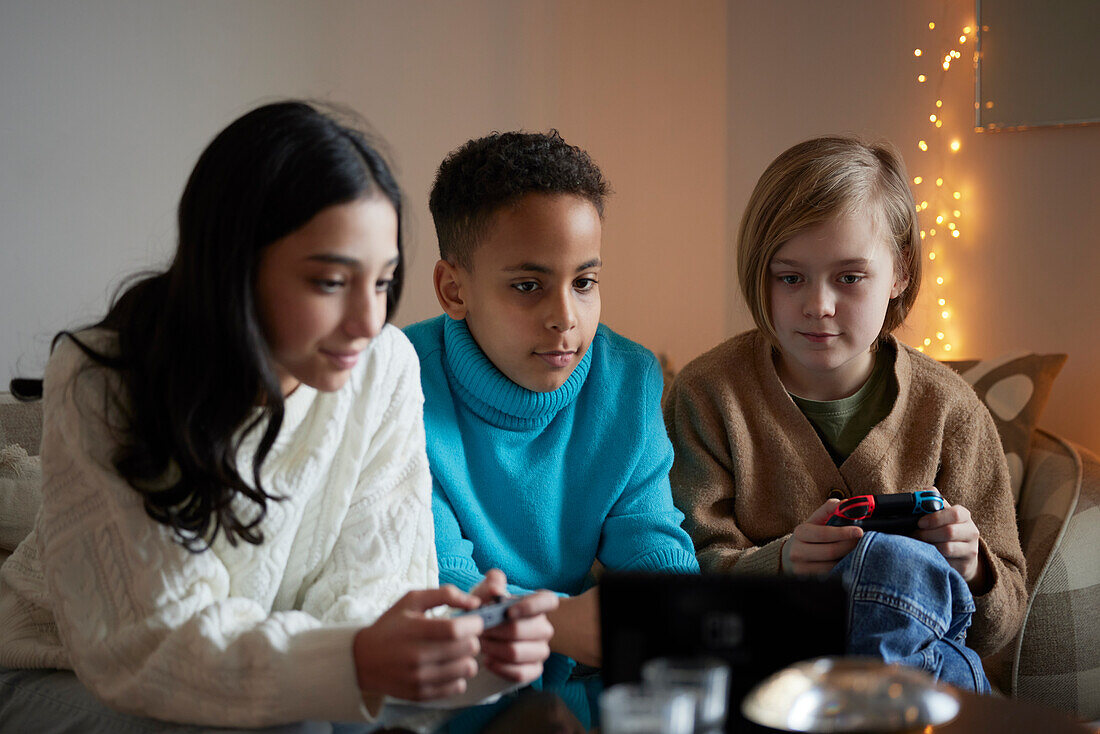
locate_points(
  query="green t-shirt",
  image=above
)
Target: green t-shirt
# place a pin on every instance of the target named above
(843, 423)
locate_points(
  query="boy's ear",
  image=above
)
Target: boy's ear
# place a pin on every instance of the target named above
(900, 284)
(448, 279)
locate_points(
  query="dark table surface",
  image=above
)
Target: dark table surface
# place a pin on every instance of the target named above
(982, 715)
(546, 713)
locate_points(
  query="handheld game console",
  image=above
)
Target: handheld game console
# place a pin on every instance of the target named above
(887, 513)
(493, 613)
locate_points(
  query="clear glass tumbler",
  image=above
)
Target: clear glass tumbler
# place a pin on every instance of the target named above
(705, 678)
(635, 708)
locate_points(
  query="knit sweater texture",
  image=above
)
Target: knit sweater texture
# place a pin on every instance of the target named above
(540, 485)
(750, 467)
(241, 635)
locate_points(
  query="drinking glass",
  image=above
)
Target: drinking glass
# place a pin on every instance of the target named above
(634, 708)
(705, 678)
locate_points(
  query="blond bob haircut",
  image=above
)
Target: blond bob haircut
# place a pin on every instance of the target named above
(818, 181)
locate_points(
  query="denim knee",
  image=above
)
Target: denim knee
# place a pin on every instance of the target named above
(907, 605)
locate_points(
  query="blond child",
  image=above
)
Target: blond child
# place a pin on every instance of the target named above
(820, 402)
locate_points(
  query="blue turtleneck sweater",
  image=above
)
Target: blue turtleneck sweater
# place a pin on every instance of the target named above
(540, 485)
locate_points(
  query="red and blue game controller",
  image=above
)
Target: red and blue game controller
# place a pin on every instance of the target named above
(887, 513)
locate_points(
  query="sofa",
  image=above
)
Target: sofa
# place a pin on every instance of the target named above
(1055, 658)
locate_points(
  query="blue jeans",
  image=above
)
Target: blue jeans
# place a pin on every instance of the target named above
(55, 702)
(907, 605)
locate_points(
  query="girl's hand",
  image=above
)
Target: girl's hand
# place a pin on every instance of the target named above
(408, 655)
(814, 547)
(517, 649)
(953, 532)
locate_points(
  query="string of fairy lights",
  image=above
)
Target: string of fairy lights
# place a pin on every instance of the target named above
(936, 192)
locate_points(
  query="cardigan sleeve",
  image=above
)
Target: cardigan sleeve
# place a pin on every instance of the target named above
(704, 485)
(973, 473)
(149, 627)
(642, 531)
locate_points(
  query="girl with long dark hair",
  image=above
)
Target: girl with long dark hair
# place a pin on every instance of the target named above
(236, 520)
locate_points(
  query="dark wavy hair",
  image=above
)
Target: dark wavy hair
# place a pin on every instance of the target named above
(495, 171)
(192, 356)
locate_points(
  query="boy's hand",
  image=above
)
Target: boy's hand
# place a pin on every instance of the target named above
(814, 547)
(517, 648)
(577, 628)
(953, 532)
(408, 655)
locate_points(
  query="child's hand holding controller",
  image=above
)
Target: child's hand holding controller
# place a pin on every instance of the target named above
(814, 547)
(953, 532)
(516, 648)
(407, 654)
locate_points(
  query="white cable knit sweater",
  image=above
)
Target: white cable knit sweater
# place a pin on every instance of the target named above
(234, 636)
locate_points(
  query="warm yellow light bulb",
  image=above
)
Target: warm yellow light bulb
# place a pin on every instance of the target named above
(943, 301)
(939, 123)
(921, 78)
(947, 347)
(922, 145)
(957, 195)
(939, 103)
(944, 314)
(931, 256)
(931, 118)
(931, 25)
(931, 233)
(916, 52)
(955, 233)
(955, 145)
(927, 341)
(922, 232)
(917, 179)
(946, 65)
(939, 281)
(939, 182)
(951, 225)
(962, 39)
(939, 219)
(939, 335)
(966, 30)
(957, 214)
(920, 349)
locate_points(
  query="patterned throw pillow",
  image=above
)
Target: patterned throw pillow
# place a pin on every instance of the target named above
(1014, 388)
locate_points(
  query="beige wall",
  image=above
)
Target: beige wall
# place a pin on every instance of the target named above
(1024, 276)
(105, 104)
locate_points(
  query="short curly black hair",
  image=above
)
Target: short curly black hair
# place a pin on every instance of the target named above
(488, 173)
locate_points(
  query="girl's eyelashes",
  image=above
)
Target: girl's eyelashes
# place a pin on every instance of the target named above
(851, 278)
(328, 285)
(332, 285)
(585, 284)
(788, 279)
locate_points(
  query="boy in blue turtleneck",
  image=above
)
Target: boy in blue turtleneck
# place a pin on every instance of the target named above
(545, 437)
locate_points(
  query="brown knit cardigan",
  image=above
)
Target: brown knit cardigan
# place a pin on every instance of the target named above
(749, 466)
